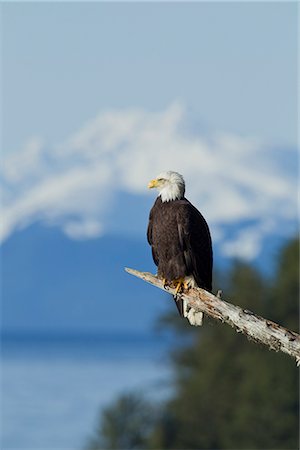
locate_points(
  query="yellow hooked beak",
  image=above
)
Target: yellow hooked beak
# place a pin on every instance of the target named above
(152, 184)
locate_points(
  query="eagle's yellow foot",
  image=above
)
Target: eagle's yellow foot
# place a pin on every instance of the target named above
(180, 284)
(165, 283)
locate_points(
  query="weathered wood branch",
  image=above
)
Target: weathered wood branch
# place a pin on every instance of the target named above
(255, 327)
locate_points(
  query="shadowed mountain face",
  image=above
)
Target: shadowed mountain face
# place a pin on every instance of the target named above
(54, 284)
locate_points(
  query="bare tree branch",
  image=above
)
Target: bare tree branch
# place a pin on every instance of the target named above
(255, 327)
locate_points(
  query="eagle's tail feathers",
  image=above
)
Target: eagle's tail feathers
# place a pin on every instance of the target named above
(179, 304)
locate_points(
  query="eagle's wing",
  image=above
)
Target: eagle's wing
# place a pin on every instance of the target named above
(195, 242)
(149, 238)
(149, 229)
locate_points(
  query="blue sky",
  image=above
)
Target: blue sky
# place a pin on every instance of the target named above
(232, 64)
(98, 98)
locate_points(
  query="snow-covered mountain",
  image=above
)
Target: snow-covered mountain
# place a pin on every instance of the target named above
(95, 180)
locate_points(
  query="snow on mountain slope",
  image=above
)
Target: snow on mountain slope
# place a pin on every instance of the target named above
(96, 179)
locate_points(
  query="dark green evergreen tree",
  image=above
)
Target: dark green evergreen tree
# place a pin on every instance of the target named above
(232, 394)
(126, 424)
(284, 298)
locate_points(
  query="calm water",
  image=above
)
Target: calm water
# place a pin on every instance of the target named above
(53, 388)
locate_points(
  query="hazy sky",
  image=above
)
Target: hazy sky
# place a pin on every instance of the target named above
(233, 65)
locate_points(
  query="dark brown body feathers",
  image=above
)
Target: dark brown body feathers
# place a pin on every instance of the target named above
(180, 240)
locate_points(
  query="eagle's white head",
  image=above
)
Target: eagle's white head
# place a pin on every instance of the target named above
(170, 186)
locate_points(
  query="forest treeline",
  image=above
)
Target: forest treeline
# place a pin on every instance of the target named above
(228, 393)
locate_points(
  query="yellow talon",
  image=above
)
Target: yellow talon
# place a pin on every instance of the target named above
(180, 285)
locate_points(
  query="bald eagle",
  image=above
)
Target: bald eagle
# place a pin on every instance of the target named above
(180, 240)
